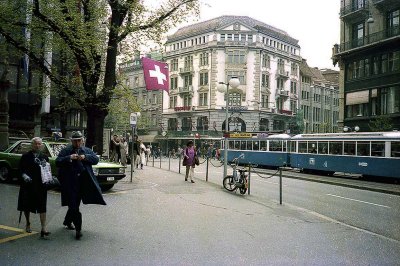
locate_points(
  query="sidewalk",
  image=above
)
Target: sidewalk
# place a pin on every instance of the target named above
(202, 224)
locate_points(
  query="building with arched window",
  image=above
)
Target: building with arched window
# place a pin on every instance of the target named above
(265, 59)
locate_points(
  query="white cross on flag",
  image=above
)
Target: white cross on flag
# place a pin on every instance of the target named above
(156, 74)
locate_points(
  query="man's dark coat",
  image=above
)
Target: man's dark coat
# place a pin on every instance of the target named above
(77, 180)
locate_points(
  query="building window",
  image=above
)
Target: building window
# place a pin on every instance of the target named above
(293, 87)
(153, 120)
(266, 61)
(203, 99)
(358, 34)
(204, 59)
(186, 123)
(187, 81)
(154, 99)
(187, 100)
(294, 69)
(222, 37)
(144, 99)
(390, 100)
(172, 101)
(280, 84)
(236, 57)
(293, 105)
(238, 74)
(264, 101)
(393, 23)
(281, 66)
(74, 119)
(174, 83)
(265, 80)
(188, 63)
(202, 123)
(172, 124)
(203, 78)
(174, 65)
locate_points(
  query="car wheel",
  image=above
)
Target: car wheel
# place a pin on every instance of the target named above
(4, 173)
(105, 188)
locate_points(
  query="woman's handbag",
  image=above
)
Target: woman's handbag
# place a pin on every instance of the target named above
(48, 180)
(196, 160)
(184, 162)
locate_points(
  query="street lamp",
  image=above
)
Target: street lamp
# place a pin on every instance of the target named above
(222, 87)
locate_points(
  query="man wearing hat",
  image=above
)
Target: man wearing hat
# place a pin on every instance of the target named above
(78, 182)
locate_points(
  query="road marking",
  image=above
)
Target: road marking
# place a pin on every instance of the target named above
(359, 201)
(24, 234)
(341, 223)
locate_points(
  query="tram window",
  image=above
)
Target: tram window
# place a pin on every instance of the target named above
(335, 147)
(312, 147)
(302, 147)
(263, 145)
(293, 146)
(322, 147)
(275, 145)
(285, 144)
(349, 148)
(256, 145)
(243, 145)
(231, 145)
(363, 148)
(396, 149)
(237, 145)
(377, 148)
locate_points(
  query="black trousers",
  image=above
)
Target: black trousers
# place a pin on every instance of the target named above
(74, 216)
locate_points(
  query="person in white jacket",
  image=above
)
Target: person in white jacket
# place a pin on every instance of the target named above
(142, 154)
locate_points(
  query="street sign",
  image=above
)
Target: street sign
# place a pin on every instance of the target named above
(133, 119)
(240, 135)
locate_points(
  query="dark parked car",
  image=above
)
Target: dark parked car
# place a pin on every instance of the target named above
(106, 173)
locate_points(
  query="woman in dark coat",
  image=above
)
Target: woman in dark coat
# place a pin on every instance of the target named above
(77, 179)
(33, 194)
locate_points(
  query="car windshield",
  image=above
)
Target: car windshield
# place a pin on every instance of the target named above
(57, 147)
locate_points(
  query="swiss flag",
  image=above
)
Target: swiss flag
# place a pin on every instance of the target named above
(156, 75)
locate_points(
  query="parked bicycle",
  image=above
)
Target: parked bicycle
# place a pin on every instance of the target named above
(238, 179)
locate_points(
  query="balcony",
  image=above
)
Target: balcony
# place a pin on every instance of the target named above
(367, 40)
(282, 92)
(186, 89)
(355, 11)
(186, 70)
(385, 5)
(282, 73)
(285, 112)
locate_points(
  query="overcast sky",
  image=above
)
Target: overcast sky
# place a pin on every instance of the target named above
(315, 23)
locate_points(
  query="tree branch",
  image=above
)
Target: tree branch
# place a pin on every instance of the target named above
(154, 22)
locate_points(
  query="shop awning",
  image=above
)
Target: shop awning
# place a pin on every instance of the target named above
(148, 138)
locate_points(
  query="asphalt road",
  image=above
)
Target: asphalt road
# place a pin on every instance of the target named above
(159, 219)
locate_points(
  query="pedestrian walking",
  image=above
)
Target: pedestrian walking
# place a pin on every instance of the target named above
(135, 152)
(123, 146)
(142, 154)
(188, 160)
(32, 196)
(78, 182)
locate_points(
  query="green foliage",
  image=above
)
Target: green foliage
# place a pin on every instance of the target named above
(296, 124)
(85, 38)
(381, 123)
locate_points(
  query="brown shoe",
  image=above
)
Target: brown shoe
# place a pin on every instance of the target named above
(185, 179)
(192, 181)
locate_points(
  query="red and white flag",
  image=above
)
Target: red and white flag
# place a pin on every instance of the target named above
(156, 74)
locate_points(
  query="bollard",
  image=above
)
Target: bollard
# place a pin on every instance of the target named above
(153, 160)
(207, 170)
(160, 159)
(280, 185)
(248, 182)
(179, 167)
(169, 163)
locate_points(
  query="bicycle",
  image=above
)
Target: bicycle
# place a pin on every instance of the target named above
(238, 179)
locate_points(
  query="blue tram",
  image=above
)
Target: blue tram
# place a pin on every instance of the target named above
(269, 151)
(366, 153)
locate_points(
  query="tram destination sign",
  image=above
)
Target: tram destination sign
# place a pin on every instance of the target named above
(240, 135)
